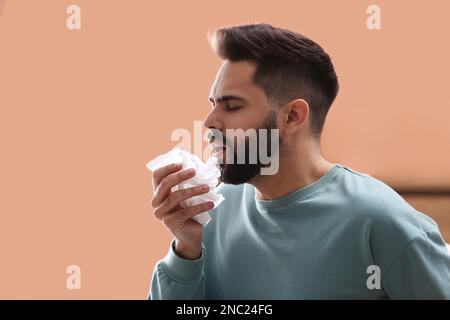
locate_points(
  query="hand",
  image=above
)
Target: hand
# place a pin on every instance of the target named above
(188, 233)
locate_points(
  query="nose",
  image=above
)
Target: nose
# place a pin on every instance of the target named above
(216, 126)
(212, 121)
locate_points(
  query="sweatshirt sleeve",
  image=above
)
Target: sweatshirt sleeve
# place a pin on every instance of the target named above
(176, 278)
(421, 270)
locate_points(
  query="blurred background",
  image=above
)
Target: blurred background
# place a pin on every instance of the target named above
(82, 111)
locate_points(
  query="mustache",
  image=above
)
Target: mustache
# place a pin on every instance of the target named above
(224, 140)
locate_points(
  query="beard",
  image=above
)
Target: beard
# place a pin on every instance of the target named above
(238, 173)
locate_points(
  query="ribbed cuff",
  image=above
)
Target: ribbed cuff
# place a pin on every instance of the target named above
(180, 269)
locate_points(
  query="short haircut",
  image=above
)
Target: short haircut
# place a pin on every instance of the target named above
(289, 66)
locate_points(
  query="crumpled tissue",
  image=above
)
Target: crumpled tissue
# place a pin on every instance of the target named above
(206, 173)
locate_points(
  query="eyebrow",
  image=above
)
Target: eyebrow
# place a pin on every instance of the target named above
(225, 98)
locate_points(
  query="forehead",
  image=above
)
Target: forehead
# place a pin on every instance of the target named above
(233, 77)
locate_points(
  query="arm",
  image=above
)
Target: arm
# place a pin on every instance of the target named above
(421, 270)
(180, 274)
(175, 277)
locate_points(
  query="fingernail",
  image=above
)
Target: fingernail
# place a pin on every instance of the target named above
(210, 204)
(191, 171)
(178, 165)
(204, 187)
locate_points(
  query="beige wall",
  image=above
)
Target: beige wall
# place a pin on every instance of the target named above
(82, 111)
(435, 206)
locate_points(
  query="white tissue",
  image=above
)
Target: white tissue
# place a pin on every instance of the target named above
(206, 173)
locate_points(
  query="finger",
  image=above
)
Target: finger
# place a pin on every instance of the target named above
(180, 217)
(176, 197)
(162, 172)
(168, 182)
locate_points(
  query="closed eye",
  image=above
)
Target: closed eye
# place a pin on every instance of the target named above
(231, 108)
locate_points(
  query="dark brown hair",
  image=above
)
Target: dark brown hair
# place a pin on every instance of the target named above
(289, 66)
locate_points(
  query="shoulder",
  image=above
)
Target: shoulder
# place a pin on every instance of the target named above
(383, 206)
(389, 221)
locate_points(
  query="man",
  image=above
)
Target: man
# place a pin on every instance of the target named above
(312, 230)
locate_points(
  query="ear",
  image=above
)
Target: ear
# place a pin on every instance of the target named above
(295, 115)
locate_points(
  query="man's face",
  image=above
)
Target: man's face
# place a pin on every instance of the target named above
(237, 103)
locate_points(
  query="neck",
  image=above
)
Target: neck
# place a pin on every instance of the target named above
(297, 169)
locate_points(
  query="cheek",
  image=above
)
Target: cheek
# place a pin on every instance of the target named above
(244, 118)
